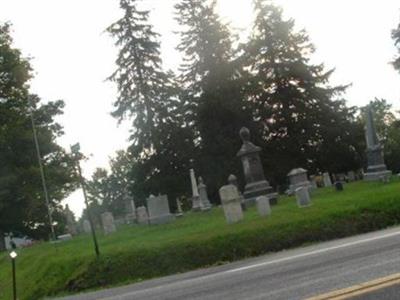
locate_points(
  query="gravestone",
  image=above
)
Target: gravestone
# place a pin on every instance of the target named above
(158, 209)
(376, 165)
(327, 179)
(303, 197)
(351, 175)
(71, 223)
(204, 202)
(141, 215)
(64, 237)
(130, 210)
(256, 184)
(107, 220)
(86, 226)
(232, 179)
(231, 205)
(196, 203)
(313, 182)
(298, 178)
(273, 198)
(263, 207)
(339, 186)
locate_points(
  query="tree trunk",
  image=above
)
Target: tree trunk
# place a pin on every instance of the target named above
(2, 241)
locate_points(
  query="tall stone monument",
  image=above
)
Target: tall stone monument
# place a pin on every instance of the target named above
(231, 205)
(204, 202)
(256, 184)
(158, 208)
(130, 210)
(196, 203)
(327, 179)
(376, 166)
(86, 226)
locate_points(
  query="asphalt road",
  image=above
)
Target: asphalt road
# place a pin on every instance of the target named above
(387, 293)
(293, 274)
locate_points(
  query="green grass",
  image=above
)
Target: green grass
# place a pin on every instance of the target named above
(198, 240)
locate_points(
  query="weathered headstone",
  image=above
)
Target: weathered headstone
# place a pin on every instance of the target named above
(263, 207)
(141, 215)
(196, 203)
(65, 237)
(158, 209)
(376, 165)
(130, 210)
(313, 181)
(107, 220)
(327, 179)
(71, 223)
(303, 197)
(256, 184)
(204, 202)
(231, 205)
(339, 186)
(351, 175)
(298, 178)
(232, 179)
(86, 226)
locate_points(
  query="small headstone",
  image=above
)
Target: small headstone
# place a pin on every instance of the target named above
(313, 182)
(327, 179)
(158, 209)
(351, 175)
(64, 237)
(231, 205)
(385, 178)
(263, 206)
(297, 178)
(204, 202)
(303, 197)
(196, 203)
(339, 186)
(273, 198)
(107, 220)
(141, 215)
(86, 226)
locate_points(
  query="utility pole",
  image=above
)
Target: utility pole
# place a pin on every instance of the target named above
(75, 150)
(45, 192)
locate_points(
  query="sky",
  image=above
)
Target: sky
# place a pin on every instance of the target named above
(72, 56)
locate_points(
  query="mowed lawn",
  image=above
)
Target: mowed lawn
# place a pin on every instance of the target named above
(198, 240)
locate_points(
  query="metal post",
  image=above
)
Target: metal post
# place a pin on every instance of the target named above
(82, 182)
(46, 195)
(14, 279)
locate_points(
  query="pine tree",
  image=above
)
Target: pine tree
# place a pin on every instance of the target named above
(302, 117)
(213, 85)
(160, 137)
(139, 76)
(396, 38)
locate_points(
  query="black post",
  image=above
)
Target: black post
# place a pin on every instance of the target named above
(14, 280)
(82, 182)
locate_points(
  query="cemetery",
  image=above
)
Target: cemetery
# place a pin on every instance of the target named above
(135, 253)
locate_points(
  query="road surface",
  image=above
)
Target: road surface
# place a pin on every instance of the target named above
(294, 274)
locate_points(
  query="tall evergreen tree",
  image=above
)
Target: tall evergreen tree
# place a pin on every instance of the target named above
(304, 123)
(396, 38)
(22, 203)
(150, 96)
(213, 85)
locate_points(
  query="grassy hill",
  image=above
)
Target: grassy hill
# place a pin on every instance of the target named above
(197, 240)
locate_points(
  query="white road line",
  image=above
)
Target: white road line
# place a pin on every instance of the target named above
(314, 252)
(201, 278)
